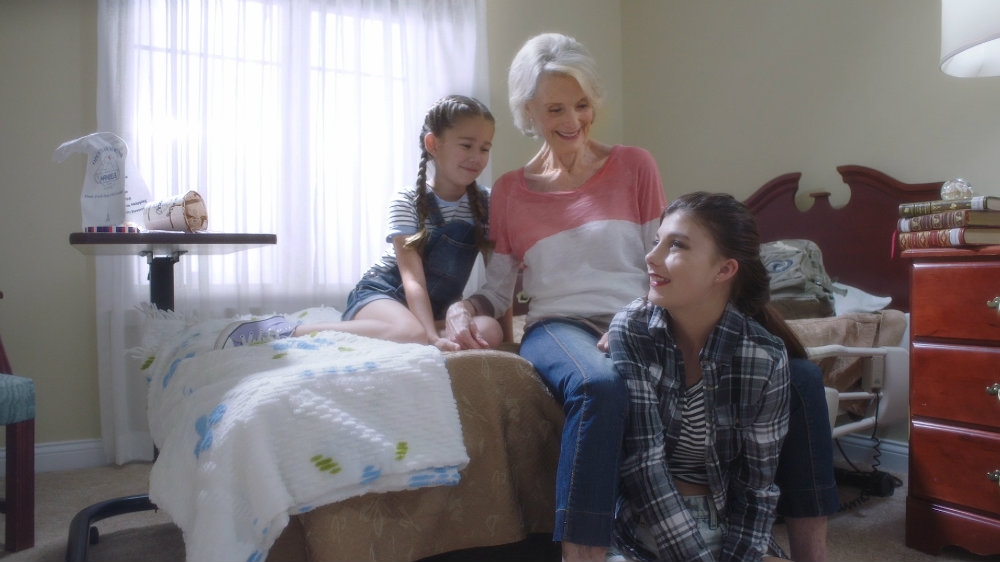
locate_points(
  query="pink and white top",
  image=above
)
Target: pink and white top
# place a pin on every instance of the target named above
(583, 251)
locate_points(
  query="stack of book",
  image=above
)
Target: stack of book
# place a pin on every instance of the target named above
(949, 223)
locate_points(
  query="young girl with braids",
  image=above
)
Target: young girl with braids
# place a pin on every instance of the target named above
(437, 228)
(705, 360)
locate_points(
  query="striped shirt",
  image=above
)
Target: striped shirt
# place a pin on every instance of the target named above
(745, 374)
(403, 216)
(688, 461)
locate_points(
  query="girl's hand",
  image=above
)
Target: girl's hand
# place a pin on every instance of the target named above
(445, 344)
(460, 329)
(602, 344)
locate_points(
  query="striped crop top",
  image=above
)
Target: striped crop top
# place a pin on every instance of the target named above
(687, 462)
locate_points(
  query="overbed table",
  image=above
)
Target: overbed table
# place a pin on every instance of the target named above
(162, 250)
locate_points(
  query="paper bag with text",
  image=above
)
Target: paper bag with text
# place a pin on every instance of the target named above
(113, 192)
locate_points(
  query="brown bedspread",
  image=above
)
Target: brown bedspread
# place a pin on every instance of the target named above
(511, 426)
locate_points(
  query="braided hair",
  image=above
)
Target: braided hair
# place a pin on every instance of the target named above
(443, 115)
(734, 230)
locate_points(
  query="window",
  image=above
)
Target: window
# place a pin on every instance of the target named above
(294, 117)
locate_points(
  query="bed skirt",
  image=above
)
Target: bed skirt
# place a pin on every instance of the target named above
(511, 426)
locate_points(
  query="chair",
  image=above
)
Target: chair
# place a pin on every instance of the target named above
(17, 412)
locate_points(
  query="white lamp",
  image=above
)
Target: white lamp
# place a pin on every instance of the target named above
(970, 38)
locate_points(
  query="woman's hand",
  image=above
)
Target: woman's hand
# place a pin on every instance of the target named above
(460, 329)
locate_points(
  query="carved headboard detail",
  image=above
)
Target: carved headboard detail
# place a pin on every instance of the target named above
(856, 239)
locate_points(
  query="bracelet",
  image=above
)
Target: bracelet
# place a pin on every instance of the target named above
(470, 307)
(466, 306)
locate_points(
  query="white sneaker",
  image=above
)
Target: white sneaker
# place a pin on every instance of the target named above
(248, 332)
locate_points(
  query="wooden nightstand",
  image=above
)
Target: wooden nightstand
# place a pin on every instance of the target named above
(954, 454)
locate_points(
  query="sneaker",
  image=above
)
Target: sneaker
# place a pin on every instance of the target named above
(247, 332)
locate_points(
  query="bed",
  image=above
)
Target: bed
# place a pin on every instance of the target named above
(863, 350)
(501, 490)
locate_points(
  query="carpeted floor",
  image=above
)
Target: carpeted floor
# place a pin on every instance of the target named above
(872, 531)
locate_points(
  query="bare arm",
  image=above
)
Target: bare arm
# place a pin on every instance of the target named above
(411, 269)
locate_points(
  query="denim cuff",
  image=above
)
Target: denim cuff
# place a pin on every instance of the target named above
(811, 502)
(583, 527)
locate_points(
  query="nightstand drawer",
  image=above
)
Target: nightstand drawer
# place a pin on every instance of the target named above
(949, 300)
(953, 464)
(951, 381)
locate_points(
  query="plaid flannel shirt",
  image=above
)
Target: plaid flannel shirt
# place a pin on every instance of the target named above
(745, 372)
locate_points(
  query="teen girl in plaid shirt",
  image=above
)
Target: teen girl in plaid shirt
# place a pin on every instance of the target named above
(708, 392)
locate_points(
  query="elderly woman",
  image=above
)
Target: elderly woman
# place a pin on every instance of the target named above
(579, 219)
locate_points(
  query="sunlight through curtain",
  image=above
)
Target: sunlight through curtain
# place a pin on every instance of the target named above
(294, 117)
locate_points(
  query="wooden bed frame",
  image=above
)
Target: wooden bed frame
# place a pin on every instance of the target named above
(856, 239)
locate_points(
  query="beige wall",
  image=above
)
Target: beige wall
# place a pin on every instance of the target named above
(48, 61)
(726, 95)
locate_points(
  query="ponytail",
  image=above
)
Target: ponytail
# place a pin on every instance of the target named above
(418, 239)
(480, 216)
(773, 322)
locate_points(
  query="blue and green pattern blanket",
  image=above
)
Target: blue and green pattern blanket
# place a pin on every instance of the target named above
(251, 435)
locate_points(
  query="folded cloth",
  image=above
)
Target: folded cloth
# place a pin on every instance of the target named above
(856, 329)
(250, 435)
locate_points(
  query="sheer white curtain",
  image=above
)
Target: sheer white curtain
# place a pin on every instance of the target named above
(294, 117)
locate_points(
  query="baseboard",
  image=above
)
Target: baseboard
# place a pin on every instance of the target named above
(860, 450)
(64, 455)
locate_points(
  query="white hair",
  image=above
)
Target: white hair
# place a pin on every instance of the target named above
(549, 53)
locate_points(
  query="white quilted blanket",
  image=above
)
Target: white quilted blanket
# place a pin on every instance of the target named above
(250, 435)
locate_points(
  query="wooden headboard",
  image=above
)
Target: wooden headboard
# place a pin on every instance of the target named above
(856, 239)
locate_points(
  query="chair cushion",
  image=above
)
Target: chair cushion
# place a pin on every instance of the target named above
(17, 399)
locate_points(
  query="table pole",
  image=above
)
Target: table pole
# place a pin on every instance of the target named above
(161, 280)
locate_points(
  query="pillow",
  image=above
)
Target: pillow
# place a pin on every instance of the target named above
(856, 300)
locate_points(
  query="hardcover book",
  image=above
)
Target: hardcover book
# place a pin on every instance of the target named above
(949, 219)
(949, 237)
(977, 203)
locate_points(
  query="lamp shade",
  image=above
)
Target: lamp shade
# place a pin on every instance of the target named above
(970, 37)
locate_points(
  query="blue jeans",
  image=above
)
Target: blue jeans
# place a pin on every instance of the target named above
(595, 402)
(805, 465)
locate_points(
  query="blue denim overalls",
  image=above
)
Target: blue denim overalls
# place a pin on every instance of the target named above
(448, 257)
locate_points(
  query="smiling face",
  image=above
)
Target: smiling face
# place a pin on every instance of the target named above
(561, 112)
(685, 267)
(460, 154)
